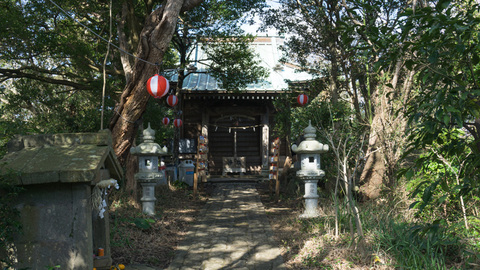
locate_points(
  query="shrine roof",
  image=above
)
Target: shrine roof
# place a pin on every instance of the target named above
(66, 158)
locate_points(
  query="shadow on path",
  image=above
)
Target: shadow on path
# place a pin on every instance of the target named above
(232, 232)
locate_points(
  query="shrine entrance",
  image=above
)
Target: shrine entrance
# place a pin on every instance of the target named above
(235, 144)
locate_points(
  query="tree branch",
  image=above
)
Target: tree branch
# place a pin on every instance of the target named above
(189, 4)
(19, 73)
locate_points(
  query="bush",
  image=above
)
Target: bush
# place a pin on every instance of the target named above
(9, 218)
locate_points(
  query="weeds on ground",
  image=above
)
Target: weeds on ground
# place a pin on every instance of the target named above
(151, 240)
(394, 237)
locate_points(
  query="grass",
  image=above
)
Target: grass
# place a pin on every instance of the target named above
(394, 237)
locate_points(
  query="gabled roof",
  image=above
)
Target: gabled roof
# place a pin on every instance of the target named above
(268, 49)
(65, 158)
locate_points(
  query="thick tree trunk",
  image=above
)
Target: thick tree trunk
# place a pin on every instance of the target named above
(373, 174)
(154, 41)
(387, 136)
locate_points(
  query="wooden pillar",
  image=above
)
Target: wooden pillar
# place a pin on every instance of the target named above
(205, 122)
(177, 131)
(202, 156)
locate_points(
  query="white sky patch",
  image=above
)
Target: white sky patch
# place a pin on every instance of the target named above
(254, 29)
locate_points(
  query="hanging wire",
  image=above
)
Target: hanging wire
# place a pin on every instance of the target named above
(125, 119)
(159, 67)
(97, 35)
(105, 69)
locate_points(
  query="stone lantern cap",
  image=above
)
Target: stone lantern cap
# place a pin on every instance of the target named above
(310, 145)
(148, 147)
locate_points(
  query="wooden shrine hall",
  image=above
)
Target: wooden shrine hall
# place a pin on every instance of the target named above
(238, 126)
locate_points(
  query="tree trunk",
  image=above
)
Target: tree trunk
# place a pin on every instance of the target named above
(123, 42)
(373, 173)
(387, 136)
(131, 166)
(155, 38)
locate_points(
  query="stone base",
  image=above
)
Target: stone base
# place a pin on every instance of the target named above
(310, 214)
(311, 208)
(148, 207)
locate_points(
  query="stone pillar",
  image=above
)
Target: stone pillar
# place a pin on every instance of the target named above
(148, 197)
(265, 141)
(311, 199)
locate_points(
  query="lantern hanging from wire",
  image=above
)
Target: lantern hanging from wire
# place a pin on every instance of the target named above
(172, 100)
(302, 99)
(165, 121)
(177, 122)
(157, 86)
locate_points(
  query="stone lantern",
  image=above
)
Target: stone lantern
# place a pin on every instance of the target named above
(310, 172)
(148, 175)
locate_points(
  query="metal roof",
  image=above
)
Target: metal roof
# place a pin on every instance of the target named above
(268, 49)
(203, 81)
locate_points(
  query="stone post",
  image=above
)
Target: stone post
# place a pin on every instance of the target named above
(148, 175)
(310, 171)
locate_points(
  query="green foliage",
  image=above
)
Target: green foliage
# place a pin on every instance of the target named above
(234, 64)
(50, 66)
(446, 57)
(7, 130)
(336, 121)
(41, 108)
(118, 232)
(427, 246)
(394, 238)
(435, 178)
(52, 267)
(322, 114)
(143, 223)
(220, 17)
(413, 243)
(180, 184)
(10, 224)
(439, 42)
(340, 42)
(444, 47)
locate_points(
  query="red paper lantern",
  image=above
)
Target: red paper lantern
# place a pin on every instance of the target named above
(177, 122)
(157, 86)
(165, 121)
(172, 100)
(302, 99)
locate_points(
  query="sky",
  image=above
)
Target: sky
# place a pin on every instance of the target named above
(253, 29)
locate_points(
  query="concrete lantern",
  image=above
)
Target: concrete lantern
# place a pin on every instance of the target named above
(148, 175)
(310, 172)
